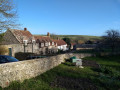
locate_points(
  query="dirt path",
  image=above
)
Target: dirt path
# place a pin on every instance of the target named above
(90, 63)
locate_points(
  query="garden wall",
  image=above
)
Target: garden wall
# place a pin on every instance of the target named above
(19, 71)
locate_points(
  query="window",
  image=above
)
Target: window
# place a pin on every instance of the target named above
(33, 41)
(49, 43)
(46, 44)
(25, 42)
(42, 44)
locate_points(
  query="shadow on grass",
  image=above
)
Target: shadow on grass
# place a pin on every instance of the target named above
(73, 83)
(69, 64)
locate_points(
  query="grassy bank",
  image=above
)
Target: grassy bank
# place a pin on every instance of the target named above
(68, 77)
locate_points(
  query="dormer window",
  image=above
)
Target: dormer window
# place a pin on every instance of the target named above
(49, 43)
(52, 43)
(25, 42)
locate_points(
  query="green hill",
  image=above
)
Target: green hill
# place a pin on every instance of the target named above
(79, 38)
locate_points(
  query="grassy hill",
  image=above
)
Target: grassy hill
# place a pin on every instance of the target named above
(79, 38)
(85, 37)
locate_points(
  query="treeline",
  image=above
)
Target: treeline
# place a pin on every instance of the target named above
(110, 42)
(80, 39)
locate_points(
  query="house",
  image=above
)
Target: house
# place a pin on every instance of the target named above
(84, 46)
(19, 41)
(61, 44)
(72, 45)
(46, 44)
(23, 41)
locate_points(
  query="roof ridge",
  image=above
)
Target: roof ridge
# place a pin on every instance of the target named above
(21, 33)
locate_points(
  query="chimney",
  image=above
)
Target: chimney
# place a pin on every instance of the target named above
(58, 38)
(25, 29)
(48, 34)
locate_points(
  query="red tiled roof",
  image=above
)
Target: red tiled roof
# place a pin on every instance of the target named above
(39, 39)
(48, 39)
(22, 35)
(43, 39)
(73, 43)
(60, 42)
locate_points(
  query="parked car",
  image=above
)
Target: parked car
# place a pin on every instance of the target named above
(7, 59)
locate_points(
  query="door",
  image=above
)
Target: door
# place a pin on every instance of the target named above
(10, 51)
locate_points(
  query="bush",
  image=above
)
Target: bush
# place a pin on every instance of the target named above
(3, 50)
(22, 56)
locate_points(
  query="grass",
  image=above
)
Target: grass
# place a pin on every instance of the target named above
(86, 37)
(79, 37)
(109, 73)
(107, 77)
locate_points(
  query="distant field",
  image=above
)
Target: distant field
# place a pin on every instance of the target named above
(84, 37)
(79, 37)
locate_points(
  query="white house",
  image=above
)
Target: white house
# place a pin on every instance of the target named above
(61, 45)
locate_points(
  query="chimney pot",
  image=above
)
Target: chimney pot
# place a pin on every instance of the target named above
(25, 29)
(58, 38)
(48, 34)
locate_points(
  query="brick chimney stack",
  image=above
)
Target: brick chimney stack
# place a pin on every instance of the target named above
(58, 38)
(25, 29)
(48, 34)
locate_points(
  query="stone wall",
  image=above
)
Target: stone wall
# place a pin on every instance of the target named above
(19, 71)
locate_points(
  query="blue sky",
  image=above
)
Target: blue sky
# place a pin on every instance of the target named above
(69, 17)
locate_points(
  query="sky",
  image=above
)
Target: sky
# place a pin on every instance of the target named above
(69, 17)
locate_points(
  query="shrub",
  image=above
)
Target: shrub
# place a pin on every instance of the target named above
(22, 56)
(3, 50)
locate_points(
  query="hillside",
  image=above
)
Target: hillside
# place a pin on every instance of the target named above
(77, 38)
(85, 37)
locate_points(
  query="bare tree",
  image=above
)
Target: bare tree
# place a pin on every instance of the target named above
(53, 36)
(7, 14)
(112, 39)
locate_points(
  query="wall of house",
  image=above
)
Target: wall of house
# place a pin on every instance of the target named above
(20, 48)
(59, 47)
(43, 50)
(48, 50)
(53, 49)
(84, 48)
(16, 48)
(19, 71)
(62, 47)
